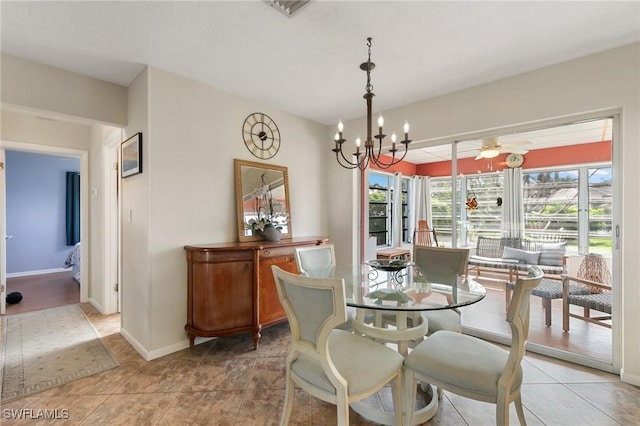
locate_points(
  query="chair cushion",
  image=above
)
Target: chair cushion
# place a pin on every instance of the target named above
(445, 319)
(364, 364)
(465, 361)
(598, 301)
(552, 289)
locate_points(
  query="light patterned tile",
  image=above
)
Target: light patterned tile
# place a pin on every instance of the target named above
(566, 372)
(620, 401)
(556, 404)
(484, 413)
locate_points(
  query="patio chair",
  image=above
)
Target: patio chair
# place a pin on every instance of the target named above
(423, 235)
(474, 368)
(593, 273)
(333, 365)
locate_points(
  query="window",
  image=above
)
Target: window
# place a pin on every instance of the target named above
(551, 205)
(553, 201)
(381, 220)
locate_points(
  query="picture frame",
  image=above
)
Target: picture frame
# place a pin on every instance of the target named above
(131, 156)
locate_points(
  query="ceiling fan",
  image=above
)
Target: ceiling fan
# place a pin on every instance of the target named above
(491, 148)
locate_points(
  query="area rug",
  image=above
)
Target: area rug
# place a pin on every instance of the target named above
(48, 348)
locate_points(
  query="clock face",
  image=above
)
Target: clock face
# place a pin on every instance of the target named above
(261, 135)
(514, 160)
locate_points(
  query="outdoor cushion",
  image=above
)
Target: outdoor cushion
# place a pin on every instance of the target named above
(552, 253)
(528, 257)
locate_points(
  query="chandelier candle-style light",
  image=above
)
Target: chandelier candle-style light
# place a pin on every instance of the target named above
(372, 152)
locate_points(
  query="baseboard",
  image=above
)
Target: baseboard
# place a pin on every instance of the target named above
(629, 378)
(96, 305)
(39, 272)
(157, 353)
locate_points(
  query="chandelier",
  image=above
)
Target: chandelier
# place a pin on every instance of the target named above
(372, 153)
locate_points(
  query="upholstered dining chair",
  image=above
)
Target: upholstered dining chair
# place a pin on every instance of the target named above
(316, 260)
(444, 266)
(333, 365)
(472, 367)
(320, 261)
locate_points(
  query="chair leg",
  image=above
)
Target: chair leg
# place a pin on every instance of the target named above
(520, 410)
(396, 393)
(342, 406)
(546, 304)
(565, 314)
(410, 390)
(502, 412)
(288, 400)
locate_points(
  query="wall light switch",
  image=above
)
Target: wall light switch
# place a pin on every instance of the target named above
(130, 218)
(94, 192)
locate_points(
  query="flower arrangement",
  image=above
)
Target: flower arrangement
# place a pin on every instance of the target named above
(267, 210)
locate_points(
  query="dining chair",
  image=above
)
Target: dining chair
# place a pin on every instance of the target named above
(444, 266)
(333, 365)
(472, 367)
(316, 260)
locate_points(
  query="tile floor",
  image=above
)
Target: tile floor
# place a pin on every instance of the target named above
(223, 382)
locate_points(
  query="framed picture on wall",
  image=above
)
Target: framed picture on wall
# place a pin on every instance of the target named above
(131, 156)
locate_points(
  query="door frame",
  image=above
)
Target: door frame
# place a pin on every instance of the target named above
(84, 208)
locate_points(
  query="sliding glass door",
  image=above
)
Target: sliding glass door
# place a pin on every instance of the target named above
(565, 190)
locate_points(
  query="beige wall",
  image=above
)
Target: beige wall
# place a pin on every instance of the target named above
(42, 87)
(606, 81)
(186, 193)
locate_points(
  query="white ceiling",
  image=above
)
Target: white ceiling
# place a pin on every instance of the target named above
(309, 64)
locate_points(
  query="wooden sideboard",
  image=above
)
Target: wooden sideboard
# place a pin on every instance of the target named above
(230, 286)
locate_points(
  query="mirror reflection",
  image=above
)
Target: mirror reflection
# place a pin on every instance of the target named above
(262, 197)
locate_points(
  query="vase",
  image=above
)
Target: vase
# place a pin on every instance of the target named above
(271, 234)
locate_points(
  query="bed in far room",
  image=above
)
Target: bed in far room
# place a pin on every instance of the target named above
(73, 261)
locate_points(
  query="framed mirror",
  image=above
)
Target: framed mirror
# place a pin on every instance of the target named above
(262, 196)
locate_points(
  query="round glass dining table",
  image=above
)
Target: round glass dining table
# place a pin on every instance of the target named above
(388, 299)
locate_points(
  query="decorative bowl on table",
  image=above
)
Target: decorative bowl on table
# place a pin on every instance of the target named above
(388, 265)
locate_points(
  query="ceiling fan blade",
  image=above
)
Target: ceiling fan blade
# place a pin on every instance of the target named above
(479, 156)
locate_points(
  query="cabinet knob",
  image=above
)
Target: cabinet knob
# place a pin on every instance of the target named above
(267, 252)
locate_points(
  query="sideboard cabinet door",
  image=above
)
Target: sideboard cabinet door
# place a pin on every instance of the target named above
(221, 294)
(270, 311)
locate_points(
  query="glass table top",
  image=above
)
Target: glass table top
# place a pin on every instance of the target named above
(401, 288)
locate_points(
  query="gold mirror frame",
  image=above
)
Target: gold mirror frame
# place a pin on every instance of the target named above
(249, 177)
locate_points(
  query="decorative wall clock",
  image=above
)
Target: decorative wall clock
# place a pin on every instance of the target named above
(514, 160)
(261, 135)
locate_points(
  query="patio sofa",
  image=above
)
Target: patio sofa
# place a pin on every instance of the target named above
(514, 256)
(511, 255)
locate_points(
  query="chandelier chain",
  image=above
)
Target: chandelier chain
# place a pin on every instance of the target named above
(372, 150)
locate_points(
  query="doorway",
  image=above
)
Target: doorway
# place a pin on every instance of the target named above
(567, 197)
(84, 160)
(42, 219)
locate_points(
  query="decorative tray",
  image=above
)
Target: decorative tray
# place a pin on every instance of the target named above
(388, 265)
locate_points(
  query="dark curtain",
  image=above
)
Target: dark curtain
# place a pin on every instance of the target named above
(73, 208)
